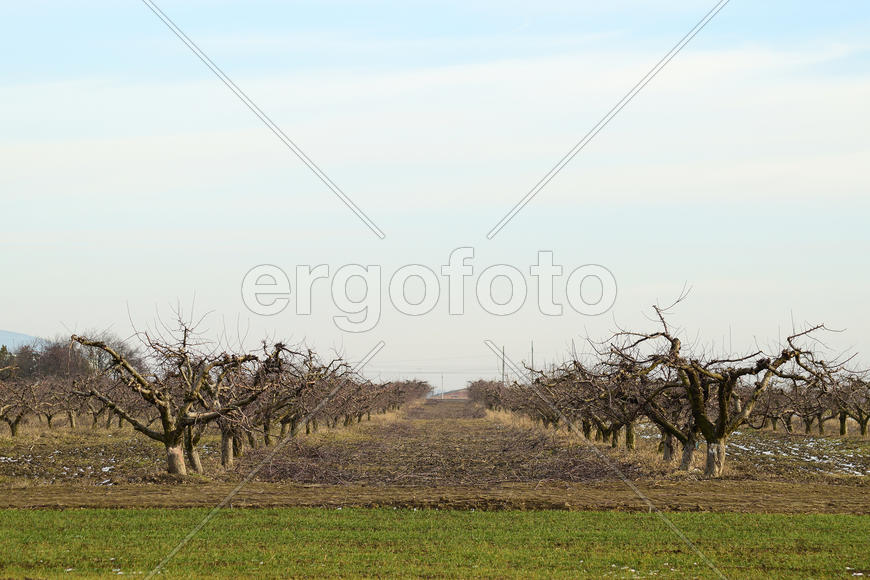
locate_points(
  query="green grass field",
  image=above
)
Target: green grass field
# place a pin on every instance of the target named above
(377, 542)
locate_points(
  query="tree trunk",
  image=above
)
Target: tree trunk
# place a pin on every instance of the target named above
(863, 425)
(808, 425)
(787, 421)
(667, 447)
(821, 423)
(120, 422)
(226, 447)
(175, 460)
(773, 422)
(688, 452)
(267, 431)
(715, 458)
(71, 417)
(238, 444)
(283, 430)
(843, 418)
(587, 429)
(629, 436)
(191, 452)
(50, 420)
(614, 436)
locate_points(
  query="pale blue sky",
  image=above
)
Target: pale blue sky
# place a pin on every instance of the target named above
(131, 177)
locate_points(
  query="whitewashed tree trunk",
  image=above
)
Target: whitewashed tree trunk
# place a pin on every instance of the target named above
(715, 458)
(175, 459)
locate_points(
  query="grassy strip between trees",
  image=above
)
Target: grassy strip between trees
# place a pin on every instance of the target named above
(368, 542)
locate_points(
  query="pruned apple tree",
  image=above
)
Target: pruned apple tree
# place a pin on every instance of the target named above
(186, 381)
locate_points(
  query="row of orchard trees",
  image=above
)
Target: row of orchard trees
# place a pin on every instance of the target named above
(173, 389)
(689, 396)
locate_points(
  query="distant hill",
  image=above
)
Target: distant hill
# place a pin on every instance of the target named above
(13, 340)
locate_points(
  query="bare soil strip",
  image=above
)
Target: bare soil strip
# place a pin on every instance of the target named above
(714, 496)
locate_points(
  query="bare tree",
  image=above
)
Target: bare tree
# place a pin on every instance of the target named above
(853, 397)
(808, 398)
(188, 384)
(17, 401)
(668, 409)
(713, 385)
(18, 388)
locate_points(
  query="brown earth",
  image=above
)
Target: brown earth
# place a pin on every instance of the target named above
(716, 496)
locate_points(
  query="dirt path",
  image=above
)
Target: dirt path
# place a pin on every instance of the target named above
(439, 443)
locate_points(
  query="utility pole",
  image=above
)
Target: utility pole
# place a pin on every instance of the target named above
(533, 354)
(503, 376)
(442, 386)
